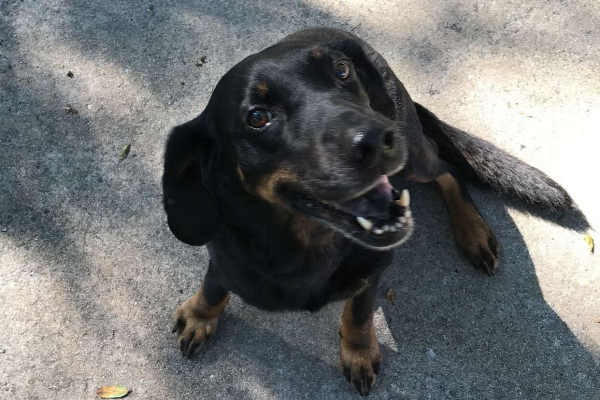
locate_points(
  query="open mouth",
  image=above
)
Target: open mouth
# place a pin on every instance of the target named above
(380, 218)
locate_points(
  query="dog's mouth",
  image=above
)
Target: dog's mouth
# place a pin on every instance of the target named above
(379, 218)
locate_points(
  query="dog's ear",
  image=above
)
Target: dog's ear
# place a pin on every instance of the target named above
(188, 185)
(369, 67)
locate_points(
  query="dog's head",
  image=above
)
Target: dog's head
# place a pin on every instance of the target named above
(309, 129)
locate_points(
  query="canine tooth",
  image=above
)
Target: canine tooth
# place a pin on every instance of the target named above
(377, 231)
(408, 213)
(404, 200)
(365, 223)
(402, 220)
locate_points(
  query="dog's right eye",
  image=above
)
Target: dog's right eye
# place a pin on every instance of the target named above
(258, 118)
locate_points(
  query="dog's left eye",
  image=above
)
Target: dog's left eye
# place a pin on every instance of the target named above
(342, 70)
(258, 118)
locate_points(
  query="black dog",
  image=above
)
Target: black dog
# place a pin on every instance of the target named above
(284, 177)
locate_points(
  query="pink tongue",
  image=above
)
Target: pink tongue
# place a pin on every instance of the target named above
(383, 188)
(374, 203)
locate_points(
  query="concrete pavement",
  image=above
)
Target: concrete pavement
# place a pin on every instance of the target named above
(90, 274)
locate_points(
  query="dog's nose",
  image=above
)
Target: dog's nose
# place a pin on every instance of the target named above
(370, 145)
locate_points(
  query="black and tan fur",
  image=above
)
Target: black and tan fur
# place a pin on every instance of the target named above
(230, 186)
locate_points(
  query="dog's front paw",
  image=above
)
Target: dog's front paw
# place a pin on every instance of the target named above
(193, 329)
(360, 363)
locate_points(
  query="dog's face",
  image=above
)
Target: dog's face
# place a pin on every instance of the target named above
(312, 130)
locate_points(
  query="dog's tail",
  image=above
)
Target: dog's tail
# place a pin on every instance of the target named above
(476, 158)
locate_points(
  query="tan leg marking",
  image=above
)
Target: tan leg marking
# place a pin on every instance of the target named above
(196, 321)
(472, 233)
(360, 356)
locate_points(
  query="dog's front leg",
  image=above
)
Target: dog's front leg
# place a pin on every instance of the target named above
(197, 318)
(360, 355)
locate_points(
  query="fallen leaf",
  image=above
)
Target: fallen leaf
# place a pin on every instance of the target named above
(201, 61)
(70, 110)
(112, 392)
(390, 296)
(589, 240)
(125, 152)
(597, 321)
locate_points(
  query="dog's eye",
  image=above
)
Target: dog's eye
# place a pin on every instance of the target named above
(342, 70)
(258, 118)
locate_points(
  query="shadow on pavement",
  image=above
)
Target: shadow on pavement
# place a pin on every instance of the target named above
(459, 334)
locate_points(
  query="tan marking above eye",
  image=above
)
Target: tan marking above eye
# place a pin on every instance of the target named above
(262, 87)
(317, 53)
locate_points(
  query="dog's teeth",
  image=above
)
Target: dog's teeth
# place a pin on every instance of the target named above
(402, 220)
(398, 225)
(408, 213)
(365, 223)
(404, 200)
(377, 231)
(385, 228)
(391, 228)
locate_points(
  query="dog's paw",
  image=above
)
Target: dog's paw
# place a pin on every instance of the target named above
(479, 244)
(193, 331)
(360, 365)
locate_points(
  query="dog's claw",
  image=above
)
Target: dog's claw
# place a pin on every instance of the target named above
(177, 326)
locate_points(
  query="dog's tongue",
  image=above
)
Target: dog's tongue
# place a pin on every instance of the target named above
(383, 189)
(374, 203)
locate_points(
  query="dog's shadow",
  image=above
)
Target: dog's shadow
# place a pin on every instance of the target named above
(462, 334)
(451, 332)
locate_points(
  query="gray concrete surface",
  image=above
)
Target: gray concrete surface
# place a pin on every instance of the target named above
(90, 274)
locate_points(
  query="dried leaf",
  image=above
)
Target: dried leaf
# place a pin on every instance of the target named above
(597, 321)
(589, 240)
(125, 152)
(112, 392)
(70, 110)
(390, 296)
(201, 61)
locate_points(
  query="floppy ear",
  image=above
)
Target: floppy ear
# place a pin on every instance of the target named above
(192, 211)
(369, 67)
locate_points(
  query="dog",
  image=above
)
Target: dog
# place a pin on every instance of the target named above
(285, 178)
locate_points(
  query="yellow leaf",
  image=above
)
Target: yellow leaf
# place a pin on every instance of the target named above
(390, 296)
(589, 240)
(112, 392)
